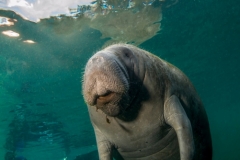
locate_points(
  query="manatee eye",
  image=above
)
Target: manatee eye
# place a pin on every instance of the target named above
(127, 54)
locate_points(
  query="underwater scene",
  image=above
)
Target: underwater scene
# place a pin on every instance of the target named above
(45, 45)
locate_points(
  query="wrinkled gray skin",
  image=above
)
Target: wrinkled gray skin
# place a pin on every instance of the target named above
(144, 108)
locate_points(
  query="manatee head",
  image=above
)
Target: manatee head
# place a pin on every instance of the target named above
(110, 81)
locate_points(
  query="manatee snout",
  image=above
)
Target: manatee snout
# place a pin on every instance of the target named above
(105, 84)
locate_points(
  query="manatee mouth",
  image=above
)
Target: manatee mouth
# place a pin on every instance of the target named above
(112, 104)
(104, 99)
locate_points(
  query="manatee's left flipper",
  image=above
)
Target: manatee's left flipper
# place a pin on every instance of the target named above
(104, 146)
(176, 117)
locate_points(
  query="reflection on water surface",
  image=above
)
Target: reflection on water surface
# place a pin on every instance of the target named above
(126, 21)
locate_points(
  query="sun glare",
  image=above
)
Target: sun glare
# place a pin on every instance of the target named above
(11, 33)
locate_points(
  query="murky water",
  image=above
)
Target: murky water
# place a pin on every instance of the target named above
(43, 115)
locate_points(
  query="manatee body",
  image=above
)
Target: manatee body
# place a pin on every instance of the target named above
(141, 107)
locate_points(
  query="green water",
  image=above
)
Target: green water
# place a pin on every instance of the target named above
(43, 115)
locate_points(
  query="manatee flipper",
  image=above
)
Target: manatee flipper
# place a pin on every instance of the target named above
(176, 117)
(103, 145)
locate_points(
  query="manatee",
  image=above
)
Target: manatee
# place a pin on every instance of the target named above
(144, 108)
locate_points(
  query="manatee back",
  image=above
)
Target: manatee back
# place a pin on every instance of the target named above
(180, 85)
(172, 81)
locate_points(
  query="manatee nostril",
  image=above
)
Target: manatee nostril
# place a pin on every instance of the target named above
(97, 59)
(93, 59)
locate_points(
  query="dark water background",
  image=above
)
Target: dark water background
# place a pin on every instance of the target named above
(43, 115)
